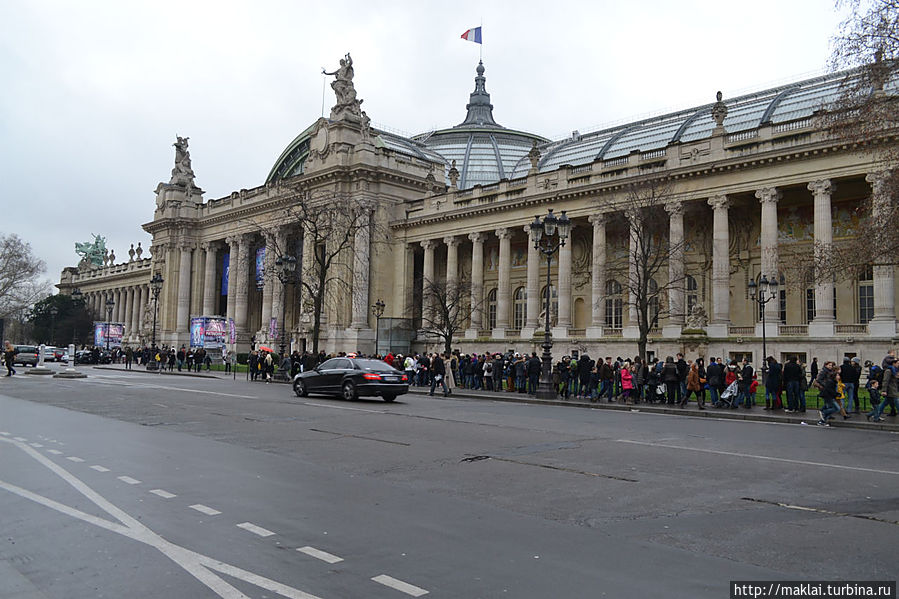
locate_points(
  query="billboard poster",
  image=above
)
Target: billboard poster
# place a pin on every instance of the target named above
(232, 331)
(260, 267)
(226, 270)
(114, 334)
(273, 328)
(207, 331)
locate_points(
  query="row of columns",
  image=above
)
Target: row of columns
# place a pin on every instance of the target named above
(823, 323)
(128, 308)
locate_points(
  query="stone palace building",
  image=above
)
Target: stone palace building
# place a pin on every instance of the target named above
(750, 179)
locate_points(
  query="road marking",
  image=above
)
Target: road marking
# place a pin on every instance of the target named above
(197, 565)
(22, 439)
(35, 444)
(205, 509)
(256, 530)
(129, 480)
(163, 494)
(399, 585)
(99, 468)
(758, 457)
(4, 433)
(99, 381)
(319, 554)
(72, 458)
(324, 405)
(54, 451)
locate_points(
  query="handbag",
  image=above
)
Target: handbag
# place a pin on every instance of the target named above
(660, 390)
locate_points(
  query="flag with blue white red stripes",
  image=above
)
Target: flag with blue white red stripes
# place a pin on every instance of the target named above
(473, 35)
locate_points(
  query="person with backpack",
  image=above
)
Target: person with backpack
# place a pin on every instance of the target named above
(826, 383)
(887, 382)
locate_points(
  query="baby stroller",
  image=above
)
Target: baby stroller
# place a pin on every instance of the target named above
(728, 396)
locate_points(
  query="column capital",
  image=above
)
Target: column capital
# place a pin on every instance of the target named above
(768, 195)
(477, 238)
(674, 208)
(719, 202)
(503, 233)
(186, 245)
(821, 187)
(599, 219)
(878, 181)
(211, 246)
(428, 244)
(451, 241)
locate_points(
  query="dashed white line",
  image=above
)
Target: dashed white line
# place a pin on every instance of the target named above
(72, 458)
(23, 439)
(4, 433)
(256, 530)
(319, 554)
(54, 451)
(99, 468)
(163, 494)
(203, 509)
(129, 480)
(399, 585)
(36, 445)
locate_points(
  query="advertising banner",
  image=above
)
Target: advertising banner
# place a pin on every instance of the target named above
(207, 332)
(226, 271)
(260, 267)
(114, 333)
(232, 331)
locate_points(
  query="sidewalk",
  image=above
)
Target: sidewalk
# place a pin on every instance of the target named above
(756, 414)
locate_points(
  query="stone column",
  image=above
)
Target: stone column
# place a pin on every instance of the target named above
(720, 312)
(117, 310)
(143, 298)
(404, 266)
(768, 198)
(477, 285)
(129, 312)
(269, 283)
(884, 322)
(427, 310)
(676, 295)
(452, 274)
(560, 331)
(503, 292)
(233, 253)
(361, 270)
(209, 283)
(182, 324)
(823, 323)
(631, 330)
(241, 271)
(278, 294)
(307, 271)
(532, 316)
(598, 276)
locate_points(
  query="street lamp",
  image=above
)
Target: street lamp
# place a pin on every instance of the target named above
(377, 309)
(76, 298)
(110, 304)
(286, 266)
(155, 288)
(762, 293)
(548, 236)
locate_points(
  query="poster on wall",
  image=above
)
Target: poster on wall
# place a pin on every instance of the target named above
(232, 332)
(226, 270)
(197, 332)
(114, 333)
(207, 331)
(260, 267)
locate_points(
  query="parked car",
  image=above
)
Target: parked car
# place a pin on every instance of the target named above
(25, 355)
(61, 354)
(86, 356)
(351, 378)
(49, 353)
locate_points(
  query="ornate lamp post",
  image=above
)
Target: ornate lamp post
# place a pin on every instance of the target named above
(762, 293)
(76, 299)
(377, 309)
(286, 267)
(110, 304)
(155, 288)
(548, 236)
(54, 311)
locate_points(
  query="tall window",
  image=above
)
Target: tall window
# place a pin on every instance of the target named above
(692, 294)
(553, 305)
(491, 309)
(613, 304)
(809, 305)
(519, 307)
(866, 295)
(653, 311)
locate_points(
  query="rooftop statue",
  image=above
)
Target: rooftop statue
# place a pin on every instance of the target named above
(91, 253)
(344, 91)
(182, 174)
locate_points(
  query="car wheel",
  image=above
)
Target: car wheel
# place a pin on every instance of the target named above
(348, 391)
(299, 387)
(389, 397)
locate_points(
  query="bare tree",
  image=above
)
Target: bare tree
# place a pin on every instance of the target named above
(649, 280)
(20, 271)
(447, 309)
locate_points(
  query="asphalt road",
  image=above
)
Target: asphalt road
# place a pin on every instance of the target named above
(141, 485)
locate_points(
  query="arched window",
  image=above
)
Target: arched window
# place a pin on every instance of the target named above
(553, 303)
(692, 294)
(491, 309)
(866, 295)
(653, 311)
(613, 304)
(520, 302)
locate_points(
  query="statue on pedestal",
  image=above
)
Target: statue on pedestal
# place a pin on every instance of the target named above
(347, 104)
(91, 252)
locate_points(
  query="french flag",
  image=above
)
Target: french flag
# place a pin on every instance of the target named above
(473, 35)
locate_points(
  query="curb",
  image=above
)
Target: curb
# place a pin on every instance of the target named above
(656, 409)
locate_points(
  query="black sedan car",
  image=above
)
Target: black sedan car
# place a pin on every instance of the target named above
(351, 378)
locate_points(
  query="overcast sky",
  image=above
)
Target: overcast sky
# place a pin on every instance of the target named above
(93, 93)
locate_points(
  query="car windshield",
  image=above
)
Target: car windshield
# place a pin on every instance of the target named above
(26, 349)
(374, 365)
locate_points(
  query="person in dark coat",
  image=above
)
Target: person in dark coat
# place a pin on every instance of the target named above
(683, 369)
(792, 380)
(671, 379)
(745, 384)
(534, 368)
(438, 374)
(584, 368)
(715, 378)
(850, 378)
(772, 385)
